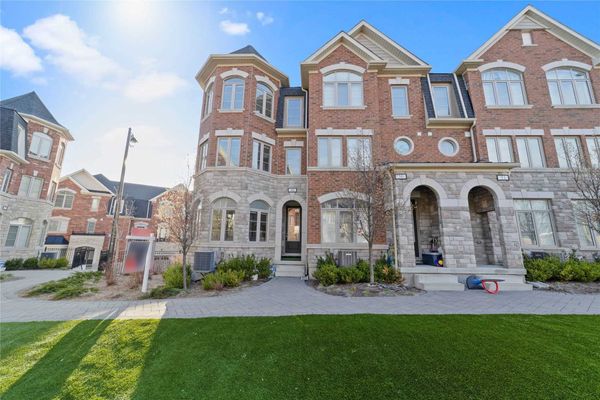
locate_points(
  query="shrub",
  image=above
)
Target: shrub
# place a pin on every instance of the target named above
(326, 274)
(14, 264)
(47, 263)
(221, 279)
(62, 263)
(388, 274)
(542, 269)
(578, 271)
(173, 276)
(328, 259)
(350, 275)
(212, 282)
(246, 264)
(162, 292)
(263, 268)
(30, 263)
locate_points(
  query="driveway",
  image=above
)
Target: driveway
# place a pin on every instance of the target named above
(283, 296)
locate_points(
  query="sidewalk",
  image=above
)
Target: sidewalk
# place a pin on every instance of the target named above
(283, 296)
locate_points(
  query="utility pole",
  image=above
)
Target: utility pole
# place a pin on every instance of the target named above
(117, 203)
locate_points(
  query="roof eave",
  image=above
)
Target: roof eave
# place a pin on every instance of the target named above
(66, 134)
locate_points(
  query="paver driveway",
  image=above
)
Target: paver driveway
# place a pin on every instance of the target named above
(283, 296)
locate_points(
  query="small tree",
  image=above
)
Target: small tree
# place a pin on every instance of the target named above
(177, 212)
(367, 191)
(586, 177)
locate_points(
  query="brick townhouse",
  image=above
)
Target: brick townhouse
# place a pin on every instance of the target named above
(478, 158)
(82, 218)
(32, 149)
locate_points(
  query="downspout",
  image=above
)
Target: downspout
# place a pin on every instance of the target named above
(473, 143)
(307, 270)
(464, 108)
(394, 218)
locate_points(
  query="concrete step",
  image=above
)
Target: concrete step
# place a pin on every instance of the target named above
(295, 270)
(434, 282)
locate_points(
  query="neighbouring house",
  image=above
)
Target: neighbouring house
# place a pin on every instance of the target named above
(81, 222)
(477, 157)
(32, 149)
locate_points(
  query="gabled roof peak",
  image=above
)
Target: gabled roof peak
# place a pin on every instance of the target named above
(30, 103)
(248, 49)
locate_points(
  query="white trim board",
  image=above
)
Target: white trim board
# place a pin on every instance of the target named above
(513, 132)
(229, 132)
(566, 131)
(263, 138)
(344, 132)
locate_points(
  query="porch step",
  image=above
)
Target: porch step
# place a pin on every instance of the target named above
(434, 282)
(290, 269)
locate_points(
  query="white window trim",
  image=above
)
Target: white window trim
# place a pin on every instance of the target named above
(42, 137)
(527, 149)
(87, 224)
(565, 63)
(510, 96)
(535, 227)
(342, 66)
(502, 64)
(569, 161)
(513, 132)
(267, 81)
(263, 138)
(498, 153)
(28, 194)
(264, 103)
(435, 106)
(234, 72)
(69, 191)
(348, 161)
(259, 213)
(6, 180)
(405, 86)
(223, 224)
(285, 111)
(229, 164)
(457, 147)
(344, 132)
(260, 155)
(231, 106)
(412, 145)
(298, 148)
(60, 221)
(577, 104)
(329, 153)
(336, 105)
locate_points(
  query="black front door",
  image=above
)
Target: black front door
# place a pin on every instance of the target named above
(413, 204)
(83, 256)
(293, 233)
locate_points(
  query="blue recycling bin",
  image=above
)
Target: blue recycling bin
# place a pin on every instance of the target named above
(430, 258)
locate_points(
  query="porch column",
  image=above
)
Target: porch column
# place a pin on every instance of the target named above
(456, 235)
(509, 234)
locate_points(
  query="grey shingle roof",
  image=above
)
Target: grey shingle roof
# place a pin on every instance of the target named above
(447, 78)
(283, 93)
(30, 103)
(9, 120)
(248, 50)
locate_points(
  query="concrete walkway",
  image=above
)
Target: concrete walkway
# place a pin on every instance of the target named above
(283, 296)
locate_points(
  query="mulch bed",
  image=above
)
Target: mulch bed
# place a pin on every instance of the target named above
(365, 290)
(574, 287)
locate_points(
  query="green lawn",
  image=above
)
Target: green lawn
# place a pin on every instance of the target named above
(308, 357)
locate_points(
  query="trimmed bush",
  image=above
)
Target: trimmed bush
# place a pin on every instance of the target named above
(222, 279)
(212, 282)
(578, 271)
(350, 275)
(47, 263)
(30, 263)
(14, 264)
(263, 268)
(173, 276)
(542, 269)
(552, 268)
(327, 274)
(62, 263)
(248, 264)
(387, 274)
(328, 259)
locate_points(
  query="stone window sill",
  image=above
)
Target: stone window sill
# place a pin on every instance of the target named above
(583, 106)
(344, 108)
(221, 110)
(38, 157)
(409, 116)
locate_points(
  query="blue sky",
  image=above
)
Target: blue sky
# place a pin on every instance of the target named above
(103, 66)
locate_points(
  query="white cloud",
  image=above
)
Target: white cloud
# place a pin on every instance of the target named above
(264, 19)
(16, 55)
(224, 10)
(234, 28)
(71, 49)
(152, 86)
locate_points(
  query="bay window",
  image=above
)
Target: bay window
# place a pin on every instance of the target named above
(31, 186)
(261, 156)
(264, 100)
(228, 152)
(41, 145)
(259, 221)
(223, 217)
(233, 94)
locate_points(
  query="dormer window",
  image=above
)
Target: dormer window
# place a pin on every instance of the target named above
(264, 100)
(342, 89)
(233, 94)
(569, 86)
(441, 101)
(503, 87)
(41, 145)
(293, 112)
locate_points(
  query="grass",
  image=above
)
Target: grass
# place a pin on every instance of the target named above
(305, 357)
(6, 276)
(73, 286)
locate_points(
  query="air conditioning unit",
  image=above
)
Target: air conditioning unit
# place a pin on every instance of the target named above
(204, 263)
(347, 258)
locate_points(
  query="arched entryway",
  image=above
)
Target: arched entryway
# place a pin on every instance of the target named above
(485, 226)
(83, 257)
(426, 223)
(291, 244)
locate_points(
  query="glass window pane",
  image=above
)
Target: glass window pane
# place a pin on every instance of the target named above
(554, 93)
(328, 227)
(294, 112)
(23, 236)
(502, 93)
(269, 105)
(592, 145)
(323, 152)
(36, 188)
(329, 94)
(399, 101)
(488, 91)
(563, 73)
(239, 97)
(223, 153)
(69, 197)
(544, 228)
(342, 95)
(512, 75)
(585, 233)
(263, 226)
(499, 75)
(522, 205)
(492, 149)
(402, 146)
(259, 101)
(526, 228)
(336, 152)
(516, 93)
(292, 161)
(266, 158)
(235, 152)
(229, 220)
(346, 227)
(539, 205)
(11, 238)
(356, 94)
(583, 92)
(504, 149)
(523, 156)
(441, 101)
(253, 226)
(226, 102)
(255, 155)
(568, 94)
(536, 158)
(561, 153)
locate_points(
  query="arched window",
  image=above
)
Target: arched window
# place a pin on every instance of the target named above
(503, 87)
(259, 221)
(208, 100)
(19, 231)
(342, 89)
(223, 216)
(339, 222)
(64, 199)
(264, 100)
(569, 86)
(233, 94)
